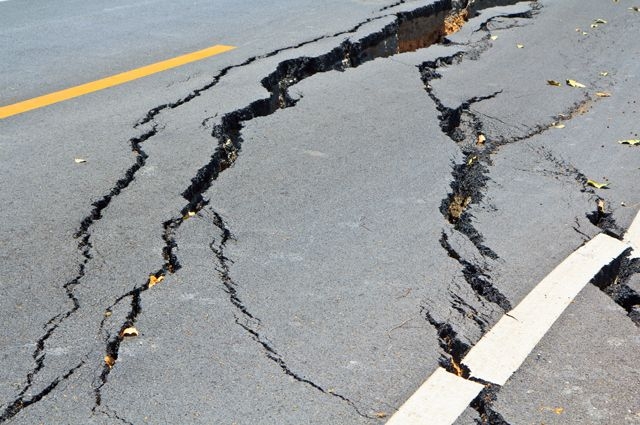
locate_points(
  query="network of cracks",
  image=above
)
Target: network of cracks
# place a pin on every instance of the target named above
(409, 31)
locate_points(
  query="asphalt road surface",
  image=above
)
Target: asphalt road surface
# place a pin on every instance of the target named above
(303, 229)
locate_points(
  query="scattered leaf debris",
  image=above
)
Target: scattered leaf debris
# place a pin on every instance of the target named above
(520, 46)
(481, 139)
(631, 142)
(554, 83)
(471, 160)
(557, 125)
(558, 410)
(596, 184)
(154, 280)
(107, 313)
(599, 21)
(189, 215)
(604, 73)
(128, 332)
(494, 37)
(574, 83)
(380, 415)
(635, 8)
(603, 94)
(109, 361)
(80, 160)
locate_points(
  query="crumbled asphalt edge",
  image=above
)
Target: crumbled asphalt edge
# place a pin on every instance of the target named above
(348, 54)
(483, 404)
(454, 349)
(470, 177)
(477, 278)
(463, 127)
(248, 321)
(613, 280)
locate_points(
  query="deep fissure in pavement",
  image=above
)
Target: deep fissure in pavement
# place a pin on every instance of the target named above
(454, 349)
(348, 54)
(614, 279)
(384, 43)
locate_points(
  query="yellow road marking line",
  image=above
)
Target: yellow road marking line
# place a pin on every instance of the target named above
(114, 80)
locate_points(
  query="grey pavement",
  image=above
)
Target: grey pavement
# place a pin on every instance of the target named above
(327, 236)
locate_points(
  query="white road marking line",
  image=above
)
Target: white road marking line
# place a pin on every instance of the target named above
(502, 350)
(632, 237)
(439, 401)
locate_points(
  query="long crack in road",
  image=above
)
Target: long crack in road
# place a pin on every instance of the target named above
(432, 41)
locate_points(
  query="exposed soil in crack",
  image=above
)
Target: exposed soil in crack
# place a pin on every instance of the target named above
(249, 322)
(410, 30)
(387, 42)
(454, 349)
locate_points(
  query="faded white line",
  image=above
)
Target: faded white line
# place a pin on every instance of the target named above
(502, 350)
(439, 401)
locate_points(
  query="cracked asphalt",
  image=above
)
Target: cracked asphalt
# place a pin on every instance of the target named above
(303, 229)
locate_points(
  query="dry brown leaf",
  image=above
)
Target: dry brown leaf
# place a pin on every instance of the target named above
(601, 206)
(574, 83)
(635, 8)
(603, 94)
(80, 160)
(109, 361)
(631, 142)
(554, 83)
(380, 415)
(494, 37)
(557, 125)
(471, 160)
(603, 74)
(520, 46)
(558, 410)
(481, 139)
(599, 21)
(107, 313)
(596, 184)
(153, 280)
(131, 331)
